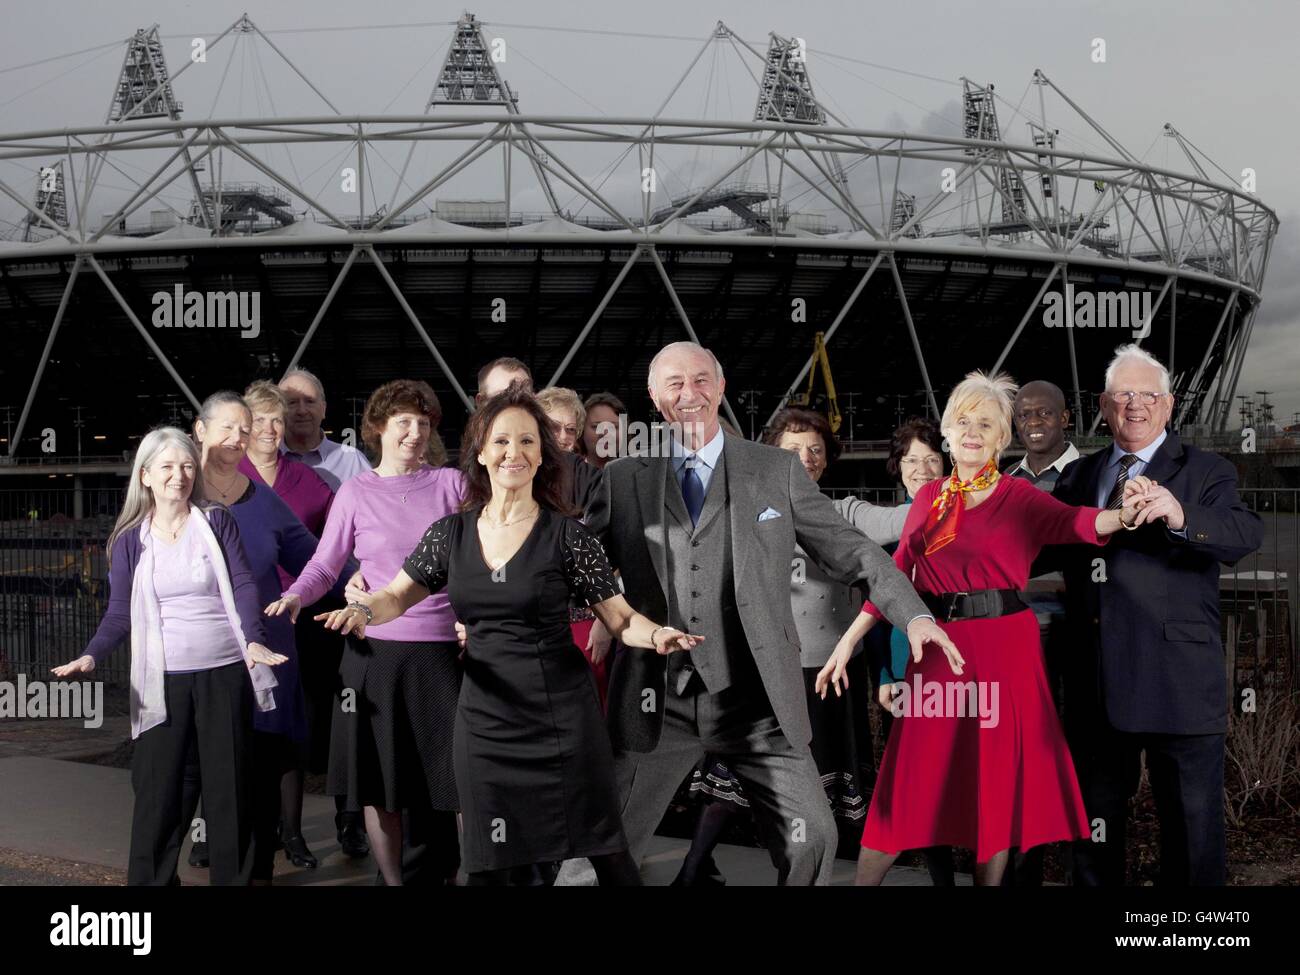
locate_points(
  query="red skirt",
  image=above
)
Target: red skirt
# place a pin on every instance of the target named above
(581, 630)
(985, 765)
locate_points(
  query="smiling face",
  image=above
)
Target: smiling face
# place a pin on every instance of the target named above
(1041, 421)
(975, 436)
(170, 477)
(686, 391)
(565, 425)
(918, 466)
(512, 451)
(811, 450)
(268, 432)
(225, 436)
(1135, 424)
(306, 408)
(403, 439)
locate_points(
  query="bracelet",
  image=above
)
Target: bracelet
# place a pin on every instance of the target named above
(1125, 525)
(656, 630)
(370, 614)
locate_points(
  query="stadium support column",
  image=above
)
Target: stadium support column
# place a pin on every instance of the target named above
(686, 321)
(1228, 305)
(410, 314)
(844, 310)
(17, 434)
(600, 310)
(1024, 319)
(324, 307)
(911, 330)
(144, 332)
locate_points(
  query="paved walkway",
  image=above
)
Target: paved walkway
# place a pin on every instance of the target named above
(81, 814)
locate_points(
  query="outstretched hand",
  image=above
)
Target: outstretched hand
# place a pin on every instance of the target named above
(923, 630)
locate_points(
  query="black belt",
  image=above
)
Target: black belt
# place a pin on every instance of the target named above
(980, 604)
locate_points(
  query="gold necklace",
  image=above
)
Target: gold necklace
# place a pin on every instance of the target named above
(173, 532)
(224, 494)
(512, 521)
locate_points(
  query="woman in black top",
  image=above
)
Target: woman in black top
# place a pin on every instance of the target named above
(534, 768)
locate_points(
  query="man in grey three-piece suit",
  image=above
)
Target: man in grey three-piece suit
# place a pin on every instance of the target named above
(703, 540)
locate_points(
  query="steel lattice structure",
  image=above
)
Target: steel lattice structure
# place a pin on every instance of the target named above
(913, 290)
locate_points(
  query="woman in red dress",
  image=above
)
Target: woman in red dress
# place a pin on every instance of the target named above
(979, 761)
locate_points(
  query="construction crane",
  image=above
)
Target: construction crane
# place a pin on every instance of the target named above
(805, 399)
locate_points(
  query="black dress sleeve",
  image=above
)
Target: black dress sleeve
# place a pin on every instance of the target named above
(428, 564)
(586, 568)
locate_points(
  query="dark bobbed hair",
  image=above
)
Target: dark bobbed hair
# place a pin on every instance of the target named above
(793, 419)
(398, 396)
(551, 484)
(913, 428)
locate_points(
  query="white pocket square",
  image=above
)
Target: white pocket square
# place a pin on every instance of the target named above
(767, 514)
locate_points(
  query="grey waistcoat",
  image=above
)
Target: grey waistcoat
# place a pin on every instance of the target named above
(702, 597)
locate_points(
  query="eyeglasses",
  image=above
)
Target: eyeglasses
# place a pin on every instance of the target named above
(1125, 396)
(932, 461)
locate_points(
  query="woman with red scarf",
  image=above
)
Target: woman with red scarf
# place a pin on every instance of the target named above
(979, 761)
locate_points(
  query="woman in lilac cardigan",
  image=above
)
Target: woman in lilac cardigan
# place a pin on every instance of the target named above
(180, 587)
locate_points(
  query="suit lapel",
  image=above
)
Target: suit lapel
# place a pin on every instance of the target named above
(715, 498)
(1166, 461)
(672, 497)
(651, 482)
(741, 506)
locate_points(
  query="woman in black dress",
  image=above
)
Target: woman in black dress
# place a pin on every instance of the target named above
(534, 768)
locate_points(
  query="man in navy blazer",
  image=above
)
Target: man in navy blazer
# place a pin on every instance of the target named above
(1146, 672)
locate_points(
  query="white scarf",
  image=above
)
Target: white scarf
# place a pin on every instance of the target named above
(148, 662)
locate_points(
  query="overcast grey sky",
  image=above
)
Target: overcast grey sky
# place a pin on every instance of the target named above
(1224, 74)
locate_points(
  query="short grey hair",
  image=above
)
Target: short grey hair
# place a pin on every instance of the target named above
(1135, 353)
(681, 347)
(310, 377)
(224, 397)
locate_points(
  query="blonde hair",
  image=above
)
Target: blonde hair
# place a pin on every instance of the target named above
(978, 388)
(562, 398)
(266, 397)
(139, 502)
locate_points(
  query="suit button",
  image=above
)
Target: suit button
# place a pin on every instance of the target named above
(695, 543)
(694, 594)
(695, 619)
(1200, 536)
(1096, 621)
(694, 567)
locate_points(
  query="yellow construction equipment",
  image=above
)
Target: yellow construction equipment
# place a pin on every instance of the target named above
(805, 399)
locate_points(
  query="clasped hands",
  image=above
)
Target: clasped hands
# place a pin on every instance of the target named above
(1151, 501)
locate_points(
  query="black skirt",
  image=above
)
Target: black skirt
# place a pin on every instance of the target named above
(393, 724)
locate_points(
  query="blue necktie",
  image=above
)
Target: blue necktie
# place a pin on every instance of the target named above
(693, 492)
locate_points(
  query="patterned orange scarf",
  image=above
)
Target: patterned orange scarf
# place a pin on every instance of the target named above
(944, 517)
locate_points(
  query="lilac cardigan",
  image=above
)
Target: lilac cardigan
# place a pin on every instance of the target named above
(116, 624)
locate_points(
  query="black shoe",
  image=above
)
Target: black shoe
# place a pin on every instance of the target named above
(199, 855)
(296, 852)
(354, 842)
(706, 874)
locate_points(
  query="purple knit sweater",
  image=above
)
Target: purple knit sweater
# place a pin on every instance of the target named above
(381, 520)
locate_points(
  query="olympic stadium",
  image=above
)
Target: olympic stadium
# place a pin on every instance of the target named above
(371, 246)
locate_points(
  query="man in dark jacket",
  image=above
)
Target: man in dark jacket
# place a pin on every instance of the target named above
(1146, 671)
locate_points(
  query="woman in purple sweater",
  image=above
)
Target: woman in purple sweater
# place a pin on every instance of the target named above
(403, 679)
(180, 587)
(277, 545)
